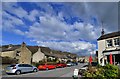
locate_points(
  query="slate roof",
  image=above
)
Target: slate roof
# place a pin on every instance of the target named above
(5, 48)
(110, 35)
(45, 50)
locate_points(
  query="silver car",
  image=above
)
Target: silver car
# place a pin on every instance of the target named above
(20, 68)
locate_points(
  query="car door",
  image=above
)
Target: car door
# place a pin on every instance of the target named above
(21, 67)
(28, 68)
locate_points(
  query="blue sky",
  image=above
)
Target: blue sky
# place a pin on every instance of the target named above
(72, 27)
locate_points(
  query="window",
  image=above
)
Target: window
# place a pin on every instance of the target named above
(27, 65)
(18, 53)
(20, 65)
(109, 43)
(117, 41)
(12, 65)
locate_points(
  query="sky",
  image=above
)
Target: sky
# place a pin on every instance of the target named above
(66, 26)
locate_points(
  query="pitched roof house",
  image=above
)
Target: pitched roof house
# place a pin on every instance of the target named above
(21, 53)
(36, 53)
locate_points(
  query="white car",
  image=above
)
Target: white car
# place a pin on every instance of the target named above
(69, 64)
(82, 69)
(85, 67)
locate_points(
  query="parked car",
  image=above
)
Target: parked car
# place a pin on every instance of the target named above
(70, 64)
(83, 69)
(46, 66)
(61, 65)
(75, 63)
(20, 68)
(94, 63)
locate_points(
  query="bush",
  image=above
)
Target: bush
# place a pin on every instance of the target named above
(111, 71)
(8, 60)
(107, 71)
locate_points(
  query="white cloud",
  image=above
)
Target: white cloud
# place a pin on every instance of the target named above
(10, 22)
(51, 30)
(18, 32)
(79, 47)
(13, 8)
(32, 15)
(54, 33)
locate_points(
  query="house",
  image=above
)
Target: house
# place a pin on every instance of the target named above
(28, 54)
(109, 44)
(21, 53)
(84, 59)
(38, 56)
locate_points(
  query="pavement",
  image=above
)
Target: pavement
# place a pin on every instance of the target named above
(59, 72)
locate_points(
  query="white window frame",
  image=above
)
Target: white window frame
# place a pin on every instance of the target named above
(117, 42)
(109, 43)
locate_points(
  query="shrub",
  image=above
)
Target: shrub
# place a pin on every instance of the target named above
(119, 72)
(111, 70)
(8, 60)
(35, 64)
(107, 71)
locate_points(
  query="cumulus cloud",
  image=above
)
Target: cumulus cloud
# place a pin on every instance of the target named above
(51, 32)
(80, 47)
(47, 26)
(9, 23)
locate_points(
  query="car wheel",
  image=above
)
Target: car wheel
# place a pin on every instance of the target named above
(35, 70)
(18, 72)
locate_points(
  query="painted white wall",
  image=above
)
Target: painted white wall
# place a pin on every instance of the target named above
(102, 45)
(101, 48)
(38, 56)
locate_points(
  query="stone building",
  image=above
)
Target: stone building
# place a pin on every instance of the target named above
(21, 53)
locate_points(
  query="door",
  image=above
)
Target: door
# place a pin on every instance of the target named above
(28, 67)
(21, 67)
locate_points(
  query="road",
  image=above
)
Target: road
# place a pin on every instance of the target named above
(59, 72)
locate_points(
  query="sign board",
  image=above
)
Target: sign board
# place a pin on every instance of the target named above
(76, 72)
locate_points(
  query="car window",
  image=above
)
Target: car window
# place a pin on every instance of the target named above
(20, 65)
(12, 65)
(27, 65)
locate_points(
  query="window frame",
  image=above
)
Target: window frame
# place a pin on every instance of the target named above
(108, 43)
(117, 43)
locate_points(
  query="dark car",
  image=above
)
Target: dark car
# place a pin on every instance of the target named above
(94, 63)
(75, 63)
